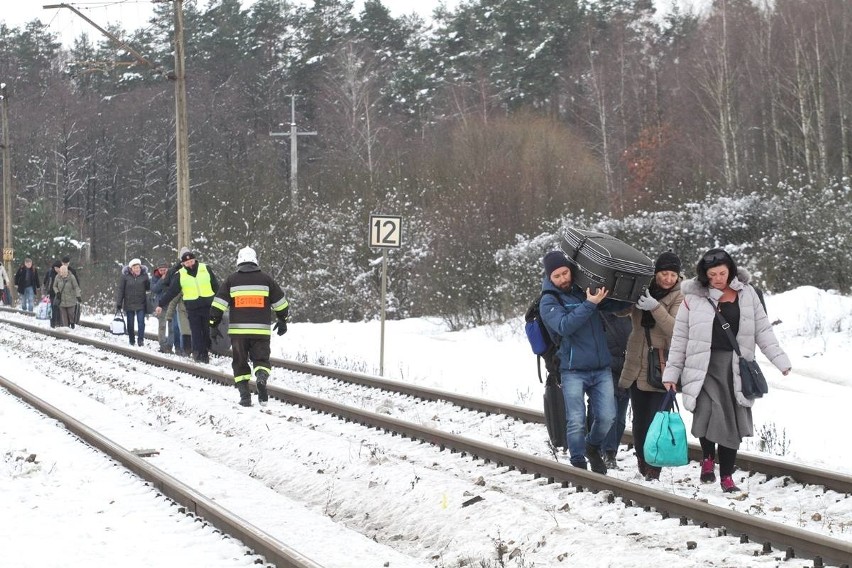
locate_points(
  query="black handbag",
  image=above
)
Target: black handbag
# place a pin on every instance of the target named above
(753, 382)
(656, 364)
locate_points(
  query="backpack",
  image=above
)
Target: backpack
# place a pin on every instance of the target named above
(542, 344)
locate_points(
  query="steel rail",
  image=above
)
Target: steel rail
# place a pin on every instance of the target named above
(796, 542)
(749, 462)
(275, 551)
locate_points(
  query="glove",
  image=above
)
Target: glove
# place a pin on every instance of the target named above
(214, 321)
(280, 327)
(646, 302)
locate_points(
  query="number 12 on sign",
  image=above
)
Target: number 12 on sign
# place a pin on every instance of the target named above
(385, 231)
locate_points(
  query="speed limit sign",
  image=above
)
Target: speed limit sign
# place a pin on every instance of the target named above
(385, 231)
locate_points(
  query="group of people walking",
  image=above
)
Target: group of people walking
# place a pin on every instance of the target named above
(677, 317)
(60, 290)
(189, 303)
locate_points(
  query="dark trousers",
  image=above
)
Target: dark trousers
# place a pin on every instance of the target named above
(727, 456)
(199, 328)
(645, 405)
(135, 324)
(245, 348)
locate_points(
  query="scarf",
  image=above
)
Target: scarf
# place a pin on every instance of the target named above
(658, 293)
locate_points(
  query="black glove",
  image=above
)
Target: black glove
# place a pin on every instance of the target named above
(215, 320)
(280, 327)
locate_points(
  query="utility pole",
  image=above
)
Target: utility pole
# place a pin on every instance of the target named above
(184, 222)
(294, 152)
(8, 249)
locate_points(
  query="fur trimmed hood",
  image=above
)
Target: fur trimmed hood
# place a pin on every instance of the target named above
(693, 287)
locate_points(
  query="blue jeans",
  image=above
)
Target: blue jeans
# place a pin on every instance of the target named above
(598, 386)
(27, 299)
(613, 439)
(140, 324)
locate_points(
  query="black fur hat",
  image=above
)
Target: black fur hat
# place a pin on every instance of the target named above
(711, 258)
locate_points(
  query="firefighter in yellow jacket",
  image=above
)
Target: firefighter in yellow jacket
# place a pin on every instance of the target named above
(198, 284)
(250, 295)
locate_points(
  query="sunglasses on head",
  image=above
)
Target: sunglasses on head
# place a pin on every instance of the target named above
(716, 256)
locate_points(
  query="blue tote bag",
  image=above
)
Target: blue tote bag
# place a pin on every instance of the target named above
(665, 443)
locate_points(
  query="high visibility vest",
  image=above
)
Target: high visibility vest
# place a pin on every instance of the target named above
(198, 286)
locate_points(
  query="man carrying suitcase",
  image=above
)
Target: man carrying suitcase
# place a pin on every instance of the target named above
(574, 316)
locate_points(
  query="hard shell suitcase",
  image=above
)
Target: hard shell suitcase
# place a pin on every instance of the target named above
(603, 260)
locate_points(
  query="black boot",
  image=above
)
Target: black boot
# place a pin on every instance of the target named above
(593, 454)
(245, 393)
(262, 396)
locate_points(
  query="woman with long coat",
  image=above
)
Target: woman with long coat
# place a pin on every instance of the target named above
(67, 292)
(702, 358)
(653, 318)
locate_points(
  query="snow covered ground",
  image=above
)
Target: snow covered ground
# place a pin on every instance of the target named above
(345, 496)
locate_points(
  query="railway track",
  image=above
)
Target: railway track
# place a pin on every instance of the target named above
(192, 501)
(791, 541)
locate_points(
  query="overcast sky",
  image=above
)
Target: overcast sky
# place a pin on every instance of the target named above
(133, 14)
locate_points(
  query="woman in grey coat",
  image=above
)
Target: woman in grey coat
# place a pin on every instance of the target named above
(702, 358)
(132, 295)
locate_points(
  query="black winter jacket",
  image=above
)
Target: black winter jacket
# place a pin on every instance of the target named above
(131, 294)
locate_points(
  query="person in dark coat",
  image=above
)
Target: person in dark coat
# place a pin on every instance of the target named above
(131, 295)
(66, 261)
(27, 282)
(48, 286)
(617, 333)
(158, 288)
(574, 316)
(198, 284)
(250, 296)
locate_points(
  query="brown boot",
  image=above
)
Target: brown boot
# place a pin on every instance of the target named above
(652, 473)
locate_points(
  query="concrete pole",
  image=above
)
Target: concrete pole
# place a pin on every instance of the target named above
(184, 222)
(294, 153)
(8, 249)
(294, 157)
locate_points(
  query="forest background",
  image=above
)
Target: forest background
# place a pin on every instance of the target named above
(487, 129)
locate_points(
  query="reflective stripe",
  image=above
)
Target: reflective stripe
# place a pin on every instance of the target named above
(250, 289)
(242, 378)
(232, 331)
(197, 286)
(220, 303)
(280, 304)
(268, 371)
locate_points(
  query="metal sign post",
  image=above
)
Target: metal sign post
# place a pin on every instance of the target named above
(385, 233)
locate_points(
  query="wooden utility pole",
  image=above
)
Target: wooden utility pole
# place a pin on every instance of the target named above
(184, 222)
(8, 249)
(294, 152)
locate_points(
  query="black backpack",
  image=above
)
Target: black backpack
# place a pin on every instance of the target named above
(542, 344)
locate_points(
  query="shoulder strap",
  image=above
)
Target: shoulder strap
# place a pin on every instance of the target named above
(727, 327)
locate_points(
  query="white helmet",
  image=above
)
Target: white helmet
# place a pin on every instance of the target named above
(246, 255)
